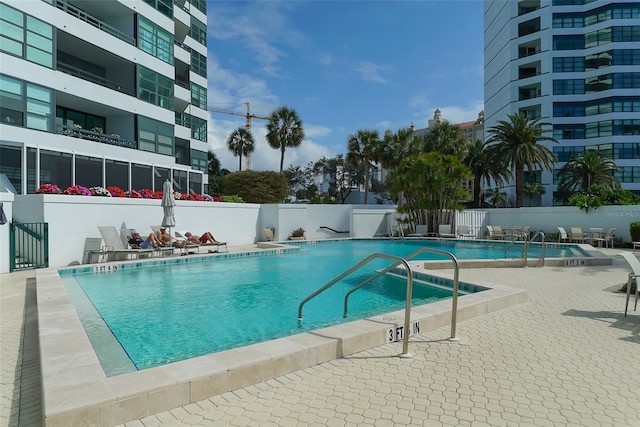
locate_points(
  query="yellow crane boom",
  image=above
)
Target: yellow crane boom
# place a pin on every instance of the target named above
(248, 117)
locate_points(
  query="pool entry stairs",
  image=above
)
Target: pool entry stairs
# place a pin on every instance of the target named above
(398, 261)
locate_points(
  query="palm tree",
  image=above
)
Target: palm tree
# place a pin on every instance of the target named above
(517, 145)
(587, 169)
(284, 130)
(446, 138)
(484, 169)
(396, 147)
(240, 143)
(533, 188)
(363, 150)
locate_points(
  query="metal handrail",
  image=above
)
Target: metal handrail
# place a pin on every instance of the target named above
(94, 21)
(526, 247)
(405, 343)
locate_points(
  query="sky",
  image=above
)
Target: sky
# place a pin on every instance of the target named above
(342, 66)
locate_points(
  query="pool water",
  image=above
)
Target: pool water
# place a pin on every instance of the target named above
(164, 313)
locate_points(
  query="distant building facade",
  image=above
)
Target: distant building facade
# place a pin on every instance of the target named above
(574, 64)
(103, 93)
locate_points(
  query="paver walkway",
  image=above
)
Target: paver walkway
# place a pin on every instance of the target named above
(568, 357)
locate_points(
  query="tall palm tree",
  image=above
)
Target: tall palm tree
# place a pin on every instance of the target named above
(363, 150)
(284, 130)
(446, 138)
(517, 145)
(589, 168)
(240, 143)
(396, 147)
(484, 168)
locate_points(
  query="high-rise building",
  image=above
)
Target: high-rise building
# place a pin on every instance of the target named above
(103, 93)
(574, 64)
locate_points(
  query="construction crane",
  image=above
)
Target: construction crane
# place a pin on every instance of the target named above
(247, 125)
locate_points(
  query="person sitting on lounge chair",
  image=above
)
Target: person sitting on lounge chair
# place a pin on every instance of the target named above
(206, 237)
(136, 241)
(166, 239)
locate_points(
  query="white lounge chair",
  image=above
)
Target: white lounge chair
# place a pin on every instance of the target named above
(218, 245)
(562, 235)
(114, 244)
(464, 232)
(634, 263)
(421, 231)
(160, 251)
(444, 230)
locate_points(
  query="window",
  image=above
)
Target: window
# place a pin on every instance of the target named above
(163, 6)
(198, 63)
(568, 109)
(195, 182)
(598, 83)
(568, 42)
(55, 168)
(141, 176)
(85, 120)
(628, 174)
(198, 31)
(626, 11)
(626, 151)
(11, 165)
(626, 57)
(25, 104)
(626, 127)
(32, 172)
(598, 60)
(180, 180)
(568, 64)
(201, 5)
(568, 20)
(564, 154)
(182, 151)
(155, 136)
(116, 174)
(199, 160)
(155, 88)
(568, 87)
(199, 96)
(570, 131)
(626, 105)
(626, 34)
(155, 41)
(160, 175)
(626, 80)
(88, 171)
(25, 37)
(597, 38)
(198, 127)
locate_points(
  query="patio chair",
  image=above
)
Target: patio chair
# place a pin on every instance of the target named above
(464, 232)
(444, 230)
(576, 235)
(160, 251)
(562, 235)
(498, 232)
(421, 231)
(114, 244)
(634, 263)
(218, 245)
(635, 246)
(93, 247)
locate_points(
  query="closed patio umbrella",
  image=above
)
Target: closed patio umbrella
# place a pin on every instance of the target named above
(168, 203)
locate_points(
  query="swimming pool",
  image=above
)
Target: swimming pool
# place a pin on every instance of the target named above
(144, 317)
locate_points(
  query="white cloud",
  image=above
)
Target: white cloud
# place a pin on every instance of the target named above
(370, 71)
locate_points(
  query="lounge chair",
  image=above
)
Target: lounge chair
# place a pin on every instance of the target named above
(562, 235)
(421, 231)
(160, 251)
(444, 230)
(93, 246)
(605, 238)
(464, 232)
(217, 245)
(576, 235)
(634, 263)
(498, 232)
(114, 244)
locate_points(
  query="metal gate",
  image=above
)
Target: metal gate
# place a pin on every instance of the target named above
(28, 245)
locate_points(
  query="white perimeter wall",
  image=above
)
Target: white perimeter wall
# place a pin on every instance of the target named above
(72, 219)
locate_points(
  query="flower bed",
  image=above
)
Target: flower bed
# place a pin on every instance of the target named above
(113, 191)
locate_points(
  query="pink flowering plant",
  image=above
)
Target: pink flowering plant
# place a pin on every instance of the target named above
(48, 189)
(114, 191)
(77, 190)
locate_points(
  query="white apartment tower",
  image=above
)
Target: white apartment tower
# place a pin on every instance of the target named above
(103, 93)
(574, 64)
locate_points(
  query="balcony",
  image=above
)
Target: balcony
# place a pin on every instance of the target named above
(529, 27)
(93, 20)
(76, 132)
(85, 75)
(526, 72)
(528, 6)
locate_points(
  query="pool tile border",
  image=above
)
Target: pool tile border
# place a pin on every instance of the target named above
(76, 390)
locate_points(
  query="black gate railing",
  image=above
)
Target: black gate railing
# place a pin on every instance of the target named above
(28, 245)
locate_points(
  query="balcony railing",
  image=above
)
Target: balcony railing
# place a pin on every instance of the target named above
(528, 52)
(85, 75)
(92, 20)
(112, 139)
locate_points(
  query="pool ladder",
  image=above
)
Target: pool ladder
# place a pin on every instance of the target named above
(525, 251)
(398, 261)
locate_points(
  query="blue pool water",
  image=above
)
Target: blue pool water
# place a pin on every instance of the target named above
(168, 312)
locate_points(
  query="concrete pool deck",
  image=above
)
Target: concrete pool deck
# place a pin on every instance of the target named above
(566, 356)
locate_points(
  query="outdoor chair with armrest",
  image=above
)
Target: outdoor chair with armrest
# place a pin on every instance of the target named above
(562, 235)
(158, 251)
(115, 246)
(576, 235)
(634, 263)
(464, 232)
(444, 230)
